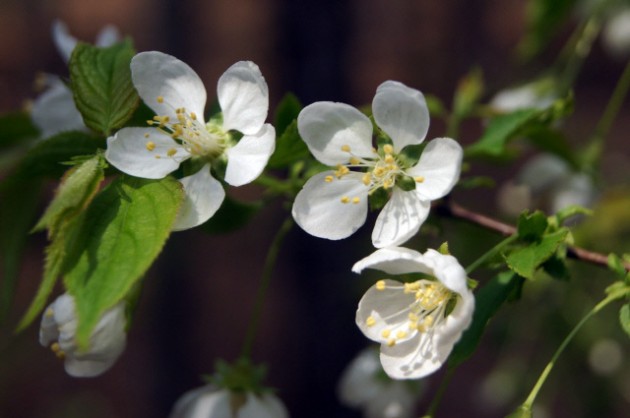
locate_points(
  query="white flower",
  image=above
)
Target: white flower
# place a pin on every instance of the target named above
(107, 342)
(537, 95)
(363, 385)
(334, 204)
(616, 33)
(177, 95)
(416, 323)
(54, 110)
(210, 402)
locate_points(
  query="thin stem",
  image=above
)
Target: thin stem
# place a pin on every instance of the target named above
(541, 380)
(577, 49)
(490, 253)
(270, 262)
(440, 392)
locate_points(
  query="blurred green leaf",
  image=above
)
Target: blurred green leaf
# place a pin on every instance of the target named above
(525, 260)
(543, 19)
(624, 318)
(499, 131)
(231, 216)
(469, 91)
(488, 300)
(121, 233)
(289, 148)
(16, 127)
(287, 111)
(101, 85)
(556, 267)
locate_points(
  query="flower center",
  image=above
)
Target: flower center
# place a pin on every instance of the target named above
(382, 171)
(200, 140)
(425, 313)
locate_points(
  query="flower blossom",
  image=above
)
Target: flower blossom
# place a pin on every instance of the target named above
(538, 94)
(54, 110)
(211, 402)
(417, 323)
(334, 204)
(179, 132)
(364, 385)
(107, 342)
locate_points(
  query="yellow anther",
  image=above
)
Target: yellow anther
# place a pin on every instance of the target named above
(366, 179)
(413, 325)
(386, 333)
(345, 199)
(380, 285)
(388, 149)
(328, 179)
(401, 334)
(345, 148)
(55, 347)
(389, 159)
(157, 157)
(171, 152)
(49, 312)
(150, 122)
(370, 321)
(419, 179)
(355, 200)
(355, 161)
(387, 184)
(150, 145)
(412, 287)
(378, 171)
(413, 317)
(391, 342)
(421, 328)
(193, 116)
(160, 99)
(428, 321)
(342, 170)
(147, 135)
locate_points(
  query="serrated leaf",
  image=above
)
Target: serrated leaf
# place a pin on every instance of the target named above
(525, 260)
(532, 226)
(122, 232)
(499, 131)
(101, 85)
(287, 111)
(16, 127)
(290, 148)
(624, 318)
(488, 300)
(231, 216)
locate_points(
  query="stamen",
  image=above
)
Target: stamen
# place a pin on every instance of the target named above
(150, 146)
(355, 200)
(401, 334)
(391, 342)
(388, 149)
(49, 313)
(370, 321)
(419, 179)
(345, 199)
(328, 179)
(171, 152)
(160, 99)
(380, 285)
(345, 148)
(386, 333)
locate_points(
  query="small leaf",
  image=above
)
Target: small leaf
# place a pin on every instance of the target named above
(624, 318)
(287, 111)
(101, 85)
(499, 131)
(122, 232)
(531, 227)
(488, 300)
(231, 216)
(525, 260)
(290, 148)
(556, 268)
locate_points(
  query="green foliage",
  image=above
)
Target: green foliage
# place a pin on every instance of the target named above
(531, 227)
(231, 216)
(289, 145)
(488, 300)
(102, 87)
(544, 18)
(119, 236)
(468, 93)
(15, 128)
(624, 318)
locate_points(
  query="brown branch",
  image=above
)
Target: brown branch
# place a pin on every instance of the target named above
(453, 210)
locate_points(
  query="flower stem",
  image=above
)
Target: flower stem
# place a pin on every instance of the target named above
(491, 253)
(440, 392)
(527, 405)
(270, 262)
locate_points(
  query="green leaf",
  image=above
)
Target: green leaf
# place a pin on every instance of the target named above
(231, 216)
(488, 300)
(543, 19)
(469, 91)
(290, 148)
(121, 233)
(525, 260)
(531, 227)
(624, 318)
(16, 127)
(101, 85)
(287, 111)
(499, 131)
(18, 204)
(556, 268)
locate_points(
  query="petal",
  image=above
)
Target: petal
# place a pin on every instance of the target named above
(575, 189)
(185, 404)
(543, 172)
(439, 165)
(155, 74)
(54, 110)
(63, 40)
(402, 113)
(128, 151)
(318, 208)
(395, 400)
(400, 219)
(244, 98)
(327, 126)
(203, 197)
(108, 36)
(393, 260)
(248, 158)
(203, 402)
(447, 270)
(358, 383)
(456, 323)
(264, 406)
(413, 359)
(389, 308)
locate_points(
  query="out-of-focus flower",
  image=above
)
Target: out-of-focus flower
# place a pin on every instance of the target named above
(177, 95)
(334, 204)
(616, 33)
(211, 402)
(417, 323)
(107, 342)
(54, 110)
(364, 385)
(537, 95)
(546, 182)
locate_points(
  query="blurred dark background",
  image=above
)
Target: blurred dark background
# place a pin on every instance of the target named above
(198, 297)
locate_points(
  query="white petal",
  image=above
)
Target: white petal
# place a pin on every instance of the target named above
(400, 219)
(155, 74)
(395, 400)
(204, 402)
(63, 40)
(127, 151)
(413, 359)
(203, 197)
(358, 383)
(319, 211)
(402, 113)
(249, 157)
(390, 310)
(108, 36)
(439, 165)
(543, 172)
(575, 189)
(393, 260)
(447, 270)
(264, 406)
(244, 98)
(327, 126)
(54, 110)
